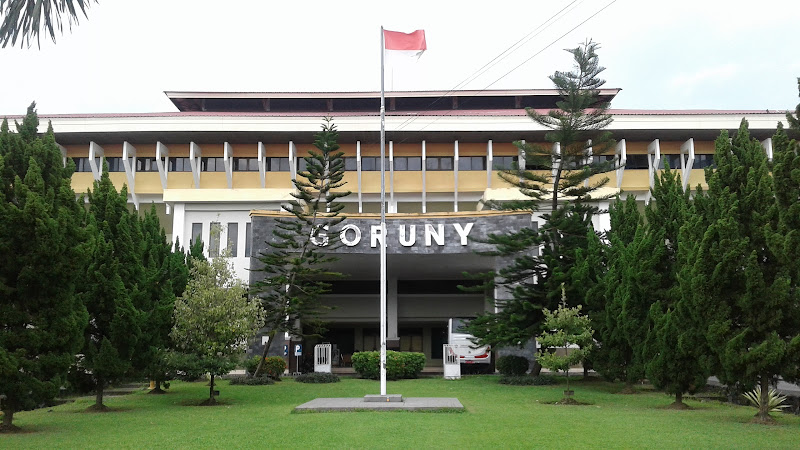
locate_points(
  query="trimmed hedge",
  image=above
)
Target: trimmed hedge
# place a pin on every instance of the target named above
(398, 364)
(512, 365)
(317, 377)
(249, 381)
(524, 380)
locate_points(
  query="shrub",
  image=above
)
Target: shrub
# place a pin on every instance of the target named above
(398, 364)
(274, 367)
(250, 381)
(775, 401)
(251, 364)
(524, 380)
(317, 377)
(512, 365)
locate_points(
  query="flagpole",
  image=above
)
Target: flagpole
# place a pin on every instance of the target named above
(383, 226)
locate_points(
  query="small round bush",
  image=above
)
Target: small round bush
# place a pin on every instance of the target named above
(274, 367)
(512, 365)
(251, 364)
(317, 377)
(524, 380)
(250, 381)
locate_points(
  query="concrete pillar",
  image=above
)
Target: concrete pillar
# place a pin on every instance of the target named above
(392, 338)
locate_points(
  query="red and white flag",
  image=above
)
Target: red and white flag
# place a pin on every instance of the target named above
(411, 44)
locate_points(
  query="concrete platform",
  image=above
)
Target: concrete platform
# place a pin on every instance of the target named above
(359, 404)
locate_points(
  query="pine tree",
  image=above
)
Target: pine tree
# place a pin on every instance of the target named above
(294, 265)
(738, 284)
(568, 167)
(631, 285)
(111, 285)
(42, 252)
(214, 318)
(673, 349)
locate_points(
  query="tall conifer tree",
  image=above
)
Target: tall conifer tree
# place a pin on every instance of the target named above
(737, 282)
(294, 263)
(568, 166)
(674, 349)
(42, 252)
(111, 287)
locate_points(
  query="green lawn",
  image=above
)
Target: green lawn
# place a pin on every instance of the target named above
(496, 416)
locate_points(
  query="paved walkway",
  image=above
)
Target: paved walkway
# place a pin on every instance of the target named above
(358, 404)
(783, 387)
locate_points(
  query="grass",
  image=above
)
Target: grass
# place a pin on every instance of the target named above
(497, 416)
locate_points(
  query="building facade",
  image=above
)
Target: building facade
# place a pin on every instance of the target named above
(226, 161)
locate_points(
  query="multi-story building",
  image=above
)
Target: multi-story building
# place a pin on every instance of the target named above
(229, 158)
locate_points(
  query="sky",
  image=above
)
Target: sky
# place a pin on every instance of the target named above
(678, 54)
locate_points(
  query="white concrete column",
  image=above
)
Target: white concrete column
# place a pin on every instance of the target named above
(489, 157)
(195, 153)
(227, 161)
(391, 174)
(96, 154)
(424, 191)
(455, 176)
(162, 162)
(63, 154)
(358, 171)
(129, 164)
(767, 144)
(292, 165)
(687, 148)
(262, 164)
(621, 152)
(653, 164)
(179, 225)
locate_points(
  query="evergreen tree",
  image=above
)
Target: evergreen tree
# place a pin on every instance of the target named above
(630, 286)
(673, 349)
(738, 284)
(42, 252)
(294, 264)
(214, 318)
(568, 167)
(165, 278)
(111, 287)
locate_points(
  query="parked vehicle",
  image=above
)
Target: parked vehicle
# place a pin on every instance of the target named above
(467, 351)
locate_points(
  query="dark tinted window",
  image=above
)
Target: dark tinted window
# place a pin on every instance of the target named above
(433, 286)
(504, 162)
(703, 161)
(439, 163)
(636, 162)
(278, 164)
(146, 165)
(245, 164)
(212, 164)
(180, 165)
(472, 163)
(82, 165)
(350, 163)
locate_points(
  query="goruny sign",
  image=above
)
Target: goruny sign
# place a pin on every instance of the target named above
(351, 235)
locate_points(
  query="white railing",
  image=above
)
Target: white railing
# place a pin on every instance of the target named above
(322, 358)
(452, 364)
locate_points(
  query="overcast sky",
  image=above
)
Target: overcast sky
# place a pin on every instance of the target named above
(677, 54)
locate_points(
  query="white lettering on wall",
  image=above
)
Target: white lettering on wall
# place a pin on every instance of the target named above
(413, 238)
(432, 234)
(463, 231)
(319, 237)
(356, 235)
(376, 236)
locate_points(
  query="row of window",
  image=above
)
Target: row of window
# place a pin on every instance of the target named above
(232, 230)
(372, 163)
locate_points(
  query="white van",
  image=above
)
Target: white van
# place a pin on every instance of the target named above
(462, 343)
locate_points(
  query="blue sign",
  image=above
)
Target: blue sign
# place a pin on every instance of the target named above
(298, 350)
(285, 350)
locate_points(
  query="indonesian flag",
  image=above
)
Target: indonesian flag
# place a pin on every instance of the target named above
(411, 44)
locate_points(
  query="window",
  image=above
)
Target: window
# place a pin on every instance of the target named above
(248, 233)
(146, 165)
(350, 163)
(245, 164)
(409, 163)
(439, 163)
(180, 165)
(233, 239)
(213, 245)
(277, 164)
(197, 233)
(636, 162)
(673, 160)
(372, 163)
(82, 165)
(504, 162)
(115, 164)
(302, 165)
(212, 164)
(703, 161)
(471, 163)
